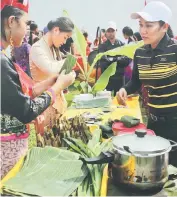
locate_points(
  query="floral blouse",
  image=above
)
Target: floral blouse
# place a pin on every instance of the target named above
(21, 56)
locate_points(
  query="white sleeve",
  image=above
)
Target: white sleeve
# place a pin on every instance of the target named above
(40, 58)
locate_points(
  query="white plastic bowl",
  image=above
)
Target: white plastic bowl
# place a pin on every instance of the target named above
(103, 93)
(83, 97)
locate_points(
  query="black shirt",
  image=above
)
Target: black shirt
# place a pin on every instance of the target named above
(104, 62)
(157, 70)
(16, 107)
(107, 45)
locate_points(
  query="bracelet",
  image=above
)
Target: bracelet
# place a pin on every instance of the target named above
(52, 95)
(33, 93)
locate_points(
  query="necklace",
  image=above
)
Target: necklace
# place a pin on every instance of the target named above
(49, 49)
(56, 54)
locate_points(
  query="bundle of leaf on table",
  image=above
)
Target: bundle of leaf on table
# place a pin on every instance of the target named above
(47, 172)
(75, 127)
(91, 186)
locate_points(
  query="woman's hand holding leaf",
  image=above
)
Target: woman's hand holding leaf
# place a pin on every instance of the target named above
(63, 81)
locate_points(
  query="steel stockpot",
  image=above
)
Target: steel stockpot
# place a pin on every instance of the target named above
(138, 160)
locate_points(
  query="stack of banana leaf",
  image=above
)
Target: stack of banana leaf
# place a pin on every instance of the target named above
(47, 172)
(75, 127)
(51, 171)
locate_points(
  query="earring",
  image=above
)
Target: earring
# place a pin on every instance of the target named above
(11, 45)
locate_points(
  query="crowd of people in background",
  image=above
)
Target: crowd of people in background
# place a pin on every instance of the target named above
(21, 54)
(106, 41)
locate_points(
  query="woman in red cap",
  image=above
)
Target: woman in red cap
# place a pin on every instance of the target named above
(22, 101)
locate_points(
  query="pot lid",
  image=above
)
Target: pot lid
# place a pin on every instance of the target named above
(141, 142)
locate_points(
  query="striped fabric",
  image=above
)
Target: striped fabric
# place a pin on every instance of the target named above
(157, 70)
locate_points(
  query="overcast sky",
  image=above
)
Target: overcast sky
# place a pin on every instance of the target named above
(89, 14)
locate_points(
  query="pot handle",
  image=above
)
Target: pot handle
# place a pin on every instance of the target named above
(174, 144)
(126, 148)
(104, 157)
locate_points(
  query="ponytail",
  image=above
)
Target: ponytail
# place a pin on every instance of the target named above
(64, 24)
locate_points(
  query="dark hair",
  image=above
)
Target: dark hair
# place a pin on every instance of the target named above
(103, 30)
(30, 38)
(6, 12)
(137, 36)
(64, 24)
(85, 34)
(30, 22)
(33, 26)
(127, 31)
(170, 32)
(20, 1)
(161, 23)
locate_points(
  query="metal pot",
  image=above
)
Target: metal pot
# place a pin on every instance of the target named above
(138, 160)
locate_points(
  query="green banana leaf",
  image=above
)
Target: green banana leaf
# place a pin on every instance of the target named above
(96, 146)
(79, 42)
(104, 78)
(76, 83)
(127, 50)
(72, 91)
(68, 64)
(96, 171)
(85, 87)
(81, 145)
(86, 188)
(92, 183)
(96, 138)
(47, 172)
(170, 187)
(69, 98)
